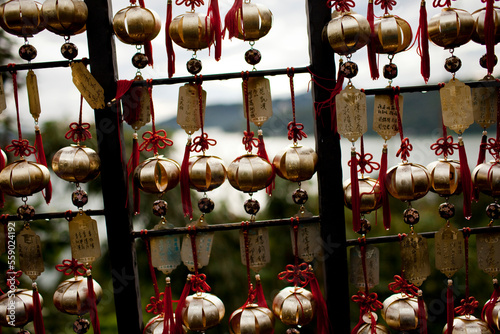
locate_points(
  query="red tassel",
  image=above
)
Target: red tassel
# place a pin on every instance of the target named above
(180, 305)
(466, 180)
(40, 157)
(481, 157)
(372, 57)
(2, 165)
(94, 318)
(487, 312)
(187, 207)
(148, 50)
(37, 317)
(423, 41)
(450, 308)
(168, 42)
(355, 205)
(489, 35)
(133, 163)
(214, 14)
(322, 320)
(261, 152)
(168, 311)
(231, 23)
(386, 210)
(422, 319)
(261, 298)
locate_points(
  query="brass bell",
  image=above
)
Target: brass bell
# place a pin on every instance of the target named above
(495, 314)
(136, 25)
(65, 17)
(400, 312)
(445, 177)
(296, 163)
(347, 32)
(76, 163)
(157, 175)
(23, 310)
(468, 324)
(252, 319)
(257, 20)
(486, 178)
(250, 173)
(294, 306)
(192, 31)
(370, 194)
(206, 172)
(451, 28)
(479, 18)
(23, 178)
(155, 325)
(71, 296)
(393, 34)
(22, 18)
(367, 329)
(408, 181)
(202, 311)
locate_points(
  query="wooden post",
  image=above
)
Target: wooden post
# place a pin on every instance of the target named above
(114, 178)
(331, 196)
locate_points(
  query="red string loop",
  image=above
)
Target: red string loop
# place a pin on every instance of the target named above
(249, 141)
(401, 285)
(190, 3)
(78, 132)
(365, 163)
(405, 149)
(295, 132)
(71, 267)
(386, 4)
(155, 305)
(202, 143)
(299, 275)
(154, 140)
(444, 146)
(21, 148)
(493, 146)
(367, 302)
(199, 283)
(341, 5)
(467, 306)
(12, 276)
(441, 3)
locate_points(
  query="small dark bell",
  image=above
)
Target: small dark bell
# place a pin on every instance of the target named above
(69, 50)
(483, 61)
(253, 56)
(452, 64)
(140, 60)
(446, 210)
(27, 52)
(493, 210)
(79, 198)
(25, 212)
(206, 205)
(300, 196)
(252, 206)
(194, 66)
(81, 326)
(390, 71)
(365, 227)
(411, 216)
(160, 208)
(349, 69)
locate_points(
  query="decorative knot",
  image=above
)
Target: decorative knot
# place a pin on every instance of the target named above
(21, 148)
(386, 4)
(299, 275)
(190, 3)
(78, 132)
(401, 285)
(249, 140)
(444, 146)
(405, 149)
(155, 305)
(441, 3)
(295, 131)
(202, 143)
(252, 294)
(71, 267)
(365, 163)
(493, 147)
(341, 5)
(199, 283)
(154, 140)
(368, 302)
(12, 277)
(467, 306)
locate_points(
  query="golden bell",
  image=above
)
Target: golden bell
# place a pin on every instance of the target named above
(445, 177)
(192, 31)
(486, 178)
(202, 311)
(250, 173)
(157, 175)
(347, 32)
(206, 172)
(451, 28)
(408, 181)
(22, 18)
(367, 329)
(76, 163)
(370, 194)
(23, 310)
(495, 314)
(136, 25)
(479, 18)
(296, 163)
(294, 306)
(65, 17)
(251, 319)
(393, 34)
(71, 296)
(257, 21)
(23, 178)
(468, 324)
(155, 325)
(400, 312)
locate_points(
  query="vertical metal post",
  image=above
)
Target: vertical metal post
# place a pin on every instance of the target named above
(113, 171)
(331, 197)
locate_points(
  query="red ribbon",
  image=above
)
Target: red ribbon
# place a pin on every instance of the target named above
(400, 285)
(71, 267)
(341, 5)
(155, 305)
(367, 302)
(295, 132)
(21, 148)
(444, 146)
(493, 146)
(78, 132)
(199, 283)
(154, 140)
(249, 141)
(405, 149)
(202, 143)
(467, 306)
(299, 275)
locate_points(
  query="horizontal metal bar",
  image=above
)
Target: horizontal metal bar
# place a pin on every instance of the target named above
(34, 66)
(51, 215)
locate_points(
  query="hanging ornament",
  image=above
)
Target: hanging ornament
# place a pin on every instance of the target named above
(486, 32)
(423, 42)
(65, 18)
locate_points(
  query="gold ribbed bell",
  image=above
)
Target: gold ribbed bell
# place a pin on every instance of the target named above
(23, 178)
(250, 173)
(18, 303)
(294, 306)
(451, 28)
(136, 25)
(486, 178)
(393, 34)
(76, 163)
(495, 314)
(400, 312)
(251, 319)
(347, 32)
(202, 311)
(445, 177)
(367, 328)
(479, 18)
(65, 17)
(22, 18)
(371, 196)
(155, 325)
(408, 181)
(468, 324)
(192, 31)
(72, 296)
(257, 20)
(206, 172)
(296, 163)
(157, 175)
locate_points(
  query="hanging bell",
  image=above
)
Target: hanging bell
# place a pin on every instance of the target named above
(393, 34)
(23, 178)
(296, 163)
(478, 34)
(65, 17)
(157, 175)
(155, 325)
(400, 312)
(347, 32)
(408, 181)
(294, 306)
(202, 311)
(16, 308)
(495, 315)
(486, 178)
(136, 25)
(250, 173)
(76, 163)
(468, 324)
(192, 31)
(445, 177)
(451, 28)
(370, 194)
(206, 172)
(251, 319)
(22, 18)
(72, 296)
(367, 327)
(256, 21)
